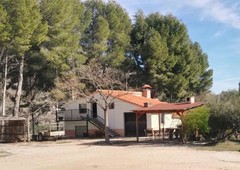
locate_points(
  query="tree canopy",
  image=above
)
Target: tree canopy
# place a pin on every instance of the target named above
(196, 121)
(167, 58)
(49, 40)
(62, 49)
(25, 21)
(224, 117)
(106, 35)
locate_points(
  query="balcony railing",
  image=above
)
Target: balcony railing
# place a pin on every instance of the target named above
(73, 114)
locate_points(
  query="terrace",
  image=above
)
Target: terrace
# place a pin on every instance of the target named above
(75, 115)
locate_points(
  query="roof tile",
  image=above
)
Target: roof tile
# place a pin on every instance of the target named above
(131, 97)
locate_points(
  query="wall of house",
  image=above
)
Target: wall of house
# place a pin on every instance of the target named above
(116, 115)
(153, 121)
(169, 122)
(70, 128)
(75, 104)
(72, 109)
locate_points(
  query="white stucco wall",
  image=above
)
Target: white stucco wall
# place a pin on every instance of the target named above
(75, 104)
(72, 109)
(70, 125)
(169, 122)
(116, 115)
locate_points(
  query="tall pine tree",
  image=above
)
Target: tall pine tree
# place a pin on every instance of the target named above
(106, 37)
(167, 58)
(26, 30)
(62, 49)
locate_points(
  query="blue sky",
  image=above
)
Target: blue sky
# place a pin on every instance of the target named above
(215, 24)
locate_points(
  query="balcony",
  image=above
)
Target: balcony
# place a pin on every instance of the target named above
(75, 114)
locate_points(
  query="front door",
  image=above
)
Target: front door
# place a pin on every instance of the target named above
(94, 110)
(130, 124)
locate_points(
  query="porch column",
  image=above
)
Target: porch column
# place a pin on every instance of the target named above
(137, 115)
(159, 124)
(180, 114)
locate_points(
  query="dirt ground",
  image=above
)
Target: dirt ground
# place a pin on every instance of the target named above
(93, 154)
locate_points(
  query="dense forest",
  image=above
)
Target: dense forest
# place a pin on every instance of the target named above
(44, 44)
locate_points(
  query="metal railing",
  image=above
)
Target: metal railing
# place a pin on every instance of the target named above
(74, 114)
(100, 119)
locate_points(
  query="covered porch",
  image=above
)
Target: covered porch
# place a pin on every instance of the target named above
(177, 108)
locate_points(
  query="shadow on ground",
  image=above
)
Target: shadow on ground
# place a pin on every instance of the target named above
(132, 142)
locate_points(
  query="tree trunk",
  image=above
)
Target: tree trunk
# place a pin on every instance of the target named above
(4, 85)
(183, 134)
(224, 136)
(106, 126)
(19, 89)
(2, 52)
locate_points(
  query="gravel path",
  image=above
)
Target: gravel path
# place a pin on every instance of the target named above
(86, 154)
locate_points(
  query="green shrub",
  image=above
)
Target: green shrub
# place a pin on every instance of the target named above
(196, 119)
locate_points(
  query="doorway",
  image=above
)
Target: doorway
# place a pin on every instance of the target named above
(130, 124)
(94, 110)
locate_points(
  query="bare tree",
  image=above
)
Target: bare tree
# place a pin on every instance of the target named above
(5, 59)
(104, 81)
(5, 73)
(39, 108)
(89, 80)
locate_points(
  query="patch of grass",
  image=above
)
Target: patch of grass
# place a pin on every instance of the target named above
(222, 146)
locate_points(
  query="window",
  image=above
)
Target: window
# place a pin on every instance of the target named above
(111, 105)
(82, 108)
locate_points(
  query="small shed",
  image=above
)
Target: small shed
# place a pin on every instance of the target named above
(12, 129)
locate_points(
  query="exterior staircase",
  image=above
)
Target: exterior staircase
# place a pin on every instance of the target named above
(98, 122)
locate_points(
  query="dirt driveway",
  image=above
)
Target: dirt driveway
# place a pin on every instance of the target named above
(86, 154)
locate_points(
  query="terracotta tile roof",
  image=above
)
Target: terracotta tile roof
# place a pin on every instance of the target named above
(157, 106)
(169, 107)
(132, 97)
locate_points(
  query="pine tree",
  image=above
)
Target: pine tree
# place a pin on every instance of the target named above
(26, 30)
(168, 59)
(4, 41)
(106, 38)
(62, 49)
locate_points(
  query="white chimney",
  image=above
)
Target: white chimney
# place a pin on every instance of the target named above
(190, 99)
(146, 91)
(147, 104)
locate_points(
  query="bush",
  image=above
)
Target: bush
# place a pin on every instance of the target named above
(196, 122)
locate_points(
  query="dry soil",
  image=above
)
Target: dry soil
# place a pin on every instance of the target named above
(93, 154)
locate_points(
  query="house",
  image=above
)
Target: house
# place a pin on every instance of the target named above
(85, 117)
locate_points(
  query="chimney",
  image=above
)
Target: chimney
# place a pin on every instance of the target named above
(146, 91)
(147, 104)
(190, 99)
